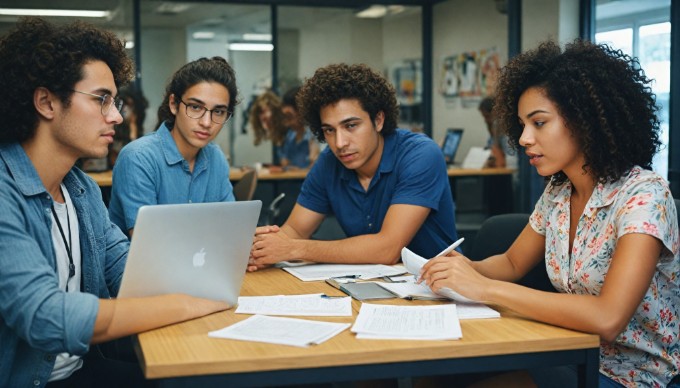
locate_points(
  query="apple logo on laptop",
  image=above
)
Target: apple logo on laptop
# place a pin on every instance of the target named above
(199, 258)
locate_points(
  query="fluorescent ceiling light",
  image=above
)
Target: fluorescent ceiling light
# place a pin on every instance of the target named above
(266, 37)
(54, 12)
(203, 35)
(373, 12)
(251, 46)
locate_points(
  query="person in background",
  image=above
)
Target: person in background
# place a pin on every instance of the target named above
(300, 149)
(606, 226)
(132, 127)
(179, 163)
(387, 187)
(497, 142)
(268, 123)
(61, 258)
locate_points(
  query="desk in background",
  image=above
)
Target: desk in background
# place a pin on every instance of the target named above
(184, 355)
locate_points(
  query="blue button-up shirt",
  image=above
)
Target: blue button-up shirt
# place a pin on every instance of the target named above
(37, 319)
(151, 171)
(412, 171)
(296, 152)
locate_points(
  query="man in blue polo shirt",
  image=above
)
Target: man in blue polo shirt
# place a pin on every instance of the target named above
(387, 187)
(178, 163)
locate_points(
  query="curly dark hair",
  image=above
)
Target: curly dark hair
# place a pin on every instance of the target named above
(602, 95)
(215, 69)
(337, 82)
(37, 53)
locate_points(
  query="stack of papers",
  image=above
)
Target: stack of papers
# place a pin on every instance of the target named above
(279, 330)
(409, 289)
(318, 305)
(407, 322)
(357, 271)
(415, 262)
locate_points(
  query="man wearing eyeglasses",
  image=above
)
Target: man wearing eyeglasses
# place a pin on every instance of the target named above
(178, 163)
(61, 258)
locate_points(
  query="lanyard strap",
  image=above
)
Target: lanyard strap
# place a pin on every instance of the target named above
(67, 244)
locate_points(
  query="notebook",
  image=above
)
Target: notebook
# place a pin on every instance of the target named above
(451, 143)
(198, 249)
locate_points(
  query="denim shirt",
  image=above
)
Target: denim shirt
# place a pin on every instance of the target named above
(152, 171)
(37, 319)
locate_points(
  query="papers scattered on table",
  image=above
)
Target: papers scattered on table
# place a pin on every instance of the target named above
(414, 263)
(407, 322)
(279, 330)
(409, 289)
(311, 305)
(357, 271)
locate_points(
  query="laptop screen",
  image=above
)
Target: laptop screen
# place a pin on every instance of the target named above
(451, 143)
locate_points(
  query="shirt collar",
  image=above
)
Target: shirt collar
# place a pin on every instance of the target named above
(168, 145)
(603, 194)
(25, 175)
(387, 159)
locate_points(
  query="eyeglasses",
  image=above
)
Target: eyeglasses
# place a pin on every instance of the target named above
(107, 101)
(218, 115)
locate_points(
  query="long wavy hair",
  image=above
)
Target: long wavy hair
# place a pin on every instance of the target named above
(277, 132)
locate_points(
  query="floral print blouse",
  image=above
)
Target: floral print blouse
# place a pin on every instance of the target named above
(647, 352)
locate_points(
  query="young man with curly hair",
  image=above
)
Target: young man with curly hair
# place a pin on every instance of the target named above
(387, 187)
(179, 163)
(61, 258)
(606, 226)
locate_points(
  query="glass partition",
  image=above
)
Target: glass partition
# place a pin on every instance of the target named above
(389, 42)
(642, 29)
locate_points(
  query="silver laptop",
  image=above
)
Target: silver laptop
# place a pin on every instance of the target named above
(197, 249)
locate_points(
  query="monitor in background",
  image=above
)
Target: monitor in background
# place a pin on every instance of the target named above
(451, 144)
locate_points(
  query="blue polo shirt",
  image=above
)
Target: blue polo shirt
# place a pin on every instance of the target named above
(412, 171)
(151, 171)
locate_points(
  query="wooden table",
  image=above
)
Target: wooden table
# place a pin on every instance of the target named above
(104, 179)
(183, 354)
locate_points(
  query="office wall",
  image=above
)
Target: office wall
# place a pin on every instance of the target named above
(163, 52)
(460, 26)
(343, 39)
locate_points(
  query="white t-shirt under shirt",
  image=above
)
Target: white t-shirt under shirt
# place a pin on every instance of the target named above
(65, 364)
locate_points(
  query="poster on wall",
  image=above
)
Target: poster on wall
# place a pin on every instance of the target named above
(406, 78)
(469, 76)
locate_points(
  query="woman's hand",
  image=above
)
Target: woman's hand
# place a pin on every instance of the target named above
(456, 272)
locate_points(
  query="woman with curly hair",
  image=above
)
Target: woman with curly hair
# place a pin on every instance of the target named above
(605, 227)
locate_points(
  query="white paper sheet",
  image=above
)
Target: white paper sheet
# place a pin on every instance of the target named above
(415, 262)
(408, 322)
(326, 271)
(410, 289)
(308, 305)
(279, 330)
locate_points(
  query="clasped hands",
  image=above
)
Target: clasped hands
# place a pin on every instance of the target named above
(270, 245)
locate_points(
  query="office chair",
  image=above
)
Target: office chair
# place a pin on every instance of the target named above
(273, 210)
(244, 189)
(496, 235)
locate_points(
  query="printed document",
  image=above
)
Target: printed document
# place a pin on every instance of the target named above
(279, 330)
(357, 271)
(318, 305)
(407, 322)
(409, 289)
(415, 262)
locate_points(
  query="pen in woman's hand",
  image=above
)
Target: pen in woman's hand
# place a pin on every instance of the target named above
(451, 247)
